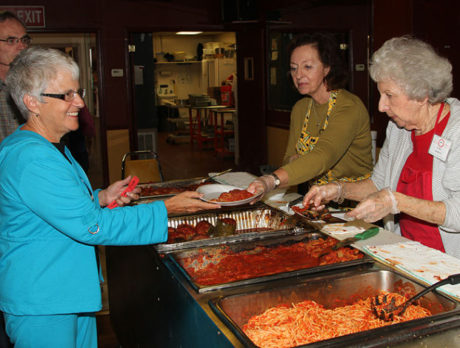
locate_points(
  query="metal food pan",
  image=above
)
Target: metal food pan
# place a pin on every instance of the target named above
(182, 183)
(257, 222)
(212, 254)
(339, 290)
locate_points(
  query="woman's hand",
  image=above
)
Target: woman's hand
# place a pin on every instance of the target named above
(262, 184)
(114, 191)
(188, 202)
(319, 195)
(375, 206)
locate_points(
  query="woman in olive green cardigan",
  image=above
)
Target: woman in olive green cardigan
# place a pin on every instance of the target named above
(329, 137)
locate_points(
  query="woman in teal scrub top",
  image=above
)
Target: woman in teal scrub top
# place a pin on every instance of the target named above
(50, 217)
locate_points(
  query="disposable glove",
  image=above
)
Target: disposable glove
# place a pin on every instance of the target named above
(375, 206)
(319, 195)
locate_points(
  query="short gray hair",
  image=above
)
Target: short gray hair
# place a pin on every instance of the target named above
(32, 71)
(414, 66)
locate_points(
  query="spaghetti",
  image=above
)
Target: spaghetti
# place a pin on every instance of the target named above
(308, 322)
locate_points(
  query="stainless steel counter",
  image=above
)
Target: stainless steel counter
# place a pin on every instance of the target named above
(153, 304)
(445, 333)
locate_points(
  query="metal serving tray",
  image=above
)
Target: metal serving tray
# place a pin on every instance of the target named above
(344, 288)
(182, 183)
(212, 254)
(253, 223)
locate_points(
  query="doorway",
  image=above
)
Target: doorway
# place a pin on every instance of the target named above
(167, 71)
(82, 47)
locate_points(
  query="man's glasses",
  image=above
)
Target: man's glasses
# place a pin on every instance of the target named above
(67, 96)
(12, 40)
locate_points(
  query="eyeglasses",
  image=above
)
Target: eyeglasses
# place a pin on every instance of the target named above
(67, 96)
(12, 40)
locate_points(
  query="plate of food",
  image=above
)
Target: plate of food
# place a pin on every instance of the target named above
(226, 195)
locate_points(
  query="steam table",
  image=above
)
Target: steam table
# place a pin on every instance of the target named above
(152, 304)
(155, 306)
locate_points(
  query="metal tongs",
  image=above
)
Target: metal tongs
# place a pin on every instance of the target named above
(386, 311)
(213, 176)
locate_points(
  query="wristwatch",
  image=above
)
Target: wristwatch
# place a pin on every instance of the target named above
(277, 179)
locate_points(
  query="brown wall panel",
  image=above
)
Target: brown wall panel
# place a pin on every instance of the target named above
(438, 22)
(251, 97)
(391, 18)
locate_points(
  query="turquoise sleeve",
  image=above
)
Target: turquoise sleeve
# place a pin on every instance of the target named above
(59, 193)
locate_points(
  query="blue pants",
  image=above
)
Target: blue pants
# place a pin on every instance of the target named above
(52, 331)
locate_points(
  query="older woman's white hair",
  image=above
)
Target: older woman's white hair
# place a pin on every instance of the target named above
(414, 66)
(32, 71)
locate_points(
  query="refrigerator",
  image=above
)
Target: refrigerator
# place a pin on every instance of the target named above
(215, 71)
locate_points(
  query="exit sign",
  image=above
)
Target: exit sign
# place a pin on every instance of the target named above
(32, 16)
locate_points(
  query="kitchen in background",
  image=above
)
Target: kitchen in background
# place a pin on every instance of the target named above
(188, 70)
(192, 64)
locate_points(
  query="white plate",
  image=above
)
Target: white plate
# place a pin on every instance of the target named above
(213, 191)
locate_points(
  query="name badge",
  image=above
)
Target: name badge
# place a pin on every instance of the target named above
(439, 147)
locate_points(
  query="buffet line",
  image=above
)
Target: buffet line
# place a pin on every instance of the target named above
(255, 276)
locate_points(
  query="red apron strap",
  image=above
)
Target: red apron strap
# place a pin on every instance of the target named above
(416, 181)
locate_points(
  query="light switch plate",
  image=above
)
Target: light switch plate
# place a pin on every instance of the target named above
(116, 72)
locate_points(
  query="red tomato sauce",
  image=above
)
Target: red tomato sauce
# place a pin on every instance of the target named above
(227, 266)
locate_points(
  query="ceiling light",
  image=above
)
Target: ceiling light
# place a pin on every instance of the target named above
(188, 32)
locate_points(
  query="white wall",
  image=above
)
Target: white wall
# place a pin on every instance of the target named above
(183, 79)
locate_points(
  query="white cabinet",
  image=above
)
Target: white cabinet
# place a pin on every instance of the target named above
(215, 71)
(177, 80)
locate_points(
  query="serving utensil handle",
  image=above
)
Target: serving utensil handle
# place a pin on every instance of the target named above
(452, 279)
(371, 232)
